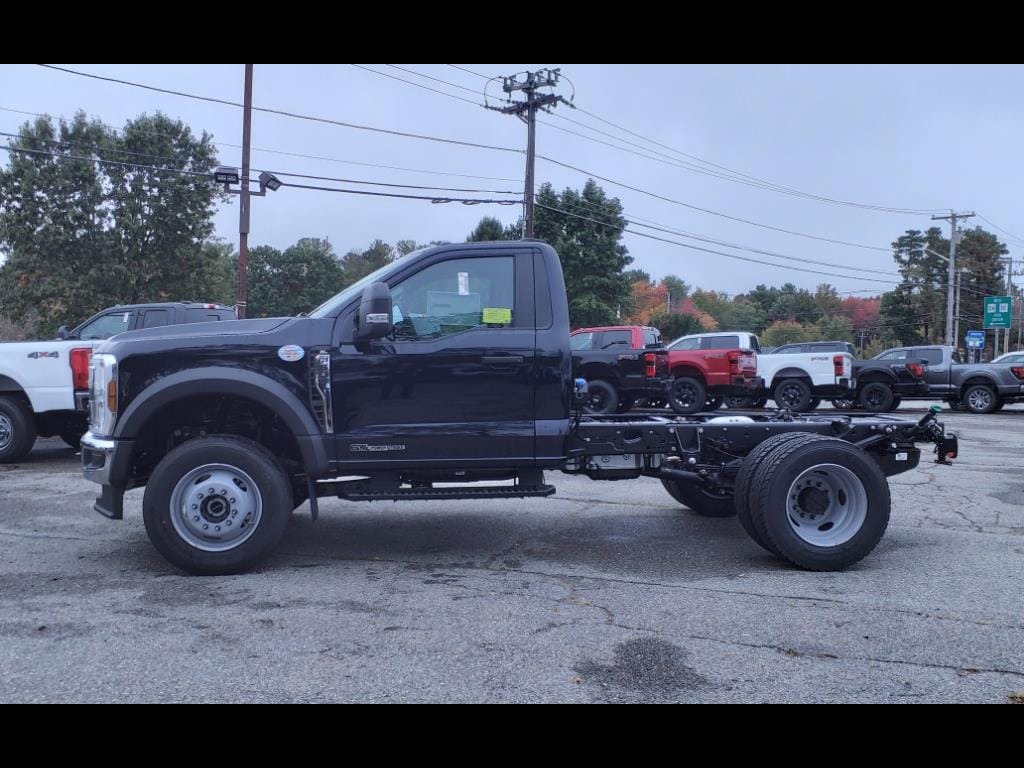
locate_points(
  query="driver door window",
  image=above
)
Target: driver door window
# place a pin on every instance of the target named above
(454, 296)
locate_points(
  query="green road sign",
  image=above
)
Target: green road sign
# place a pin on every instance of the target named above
(998, 311)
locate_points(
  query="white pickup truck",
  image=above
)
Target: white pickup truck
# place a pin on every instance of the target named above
(797, 381)
(44, 385)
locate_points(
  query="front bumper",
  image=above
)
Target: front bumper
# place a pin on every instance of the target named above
(101, 462)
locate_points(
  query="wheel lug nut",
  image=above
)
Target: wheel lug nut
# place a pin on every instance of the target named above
(217, 528)
(196, 518)
(206, 527)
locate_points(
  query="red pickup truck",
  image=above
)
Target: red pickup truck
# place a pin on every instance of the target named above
(704, 370)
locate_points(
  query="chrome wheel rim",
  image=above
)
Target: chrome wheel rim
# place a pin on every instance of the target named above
(826, 505)
(979, 399)
(6, 431)
(216, 507)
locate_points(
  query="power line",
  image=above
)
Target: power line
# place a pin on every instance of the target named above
(418, 85)
(720, 253)
(657, 226)
(1020, 240)
(208, 177)
(711, 212)
(287, 153)
(470, 71)
(286, 113)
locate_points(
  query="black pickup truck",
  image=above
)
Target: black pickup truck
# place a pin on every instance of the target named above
(621, 365)
(445, 375)
(881, 385)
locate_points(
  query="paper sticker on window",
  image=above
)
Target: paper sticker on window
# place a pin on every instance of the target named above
(463, 283)
(497, 316)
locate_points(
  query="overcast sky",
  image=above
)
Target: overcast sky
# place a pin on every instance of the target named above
(909, 137)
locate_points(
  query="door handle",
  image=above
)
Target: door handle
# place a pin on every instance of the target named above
(501, 359)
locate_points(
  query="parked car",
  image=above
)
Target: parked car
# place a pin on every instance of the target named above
(621, 363)
(707, 368)
(1017, 358)
(974, 387)
(44, 385)
(880, 385)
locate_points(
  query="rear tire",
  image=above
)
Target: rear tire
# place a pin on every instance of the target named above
(602, 398)
(204, 495)
(980, 398)
(17, 429)
(714, 403)
(876, 397)
(745, 477)
(793, 394)
(687, 395)
(823, 505)
(704, 502)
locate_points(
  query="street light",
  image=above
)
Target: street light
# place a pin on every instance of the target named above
(226, 176)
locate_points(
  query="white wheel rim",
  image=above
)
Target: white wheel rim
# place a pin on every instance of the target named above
(826, 505)
(216, 507)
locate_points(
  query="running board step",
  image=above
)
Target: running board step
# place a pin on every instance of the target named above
(459, 492)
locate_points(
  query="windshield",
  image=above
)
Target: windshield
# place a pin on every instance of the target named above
(336, 302)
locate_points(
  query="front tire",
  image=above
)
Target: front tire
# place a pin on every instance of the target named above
(703, 501)
(217, 505)
(17, 430)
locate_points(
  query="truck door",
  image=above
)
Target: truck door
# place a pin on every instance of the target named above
(938, 371)
(455, 383)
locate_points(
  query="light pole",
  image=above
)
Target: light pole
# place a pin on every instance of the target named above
(226, 176)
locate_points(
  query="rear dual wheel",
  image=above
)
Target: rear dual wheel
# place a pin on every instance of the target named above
(818, 502)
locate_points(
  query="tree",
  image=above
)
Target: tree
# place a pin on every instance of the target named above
(358, 264)
(91, 217)
(585, 228)
(489, 229)
(788, 332)
(283, 284)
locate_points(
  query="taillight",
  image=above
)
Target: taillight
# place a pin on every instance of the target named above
(1018, 372)
(80, 367)
(839, 365)
(650, 367)
(734, 363)
(916, 370)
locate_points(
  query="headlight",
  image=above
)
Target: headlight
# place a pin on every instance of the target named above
(102, 394)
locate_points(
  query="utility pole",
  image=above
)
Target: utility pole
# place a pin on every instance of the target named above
(532, 82)
(243, 209)
(953, 238)
(956, 310)
(1009, 292)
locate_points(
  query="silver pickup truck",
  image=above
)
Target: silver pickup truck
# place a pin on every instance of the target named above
(974, 387)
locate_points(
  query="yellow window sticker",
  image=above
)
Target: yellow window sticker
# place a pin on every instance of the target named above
(497, 316)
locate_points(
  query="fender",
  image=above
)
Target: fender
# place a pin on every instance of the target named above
(230, 382)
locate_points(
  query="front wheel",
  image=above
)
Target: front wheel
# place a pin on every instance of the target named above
(217, 505)
(704, 501)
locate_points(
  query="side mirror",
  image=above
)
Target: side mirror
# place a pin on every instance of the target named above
(63, 332)
(374, 321)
